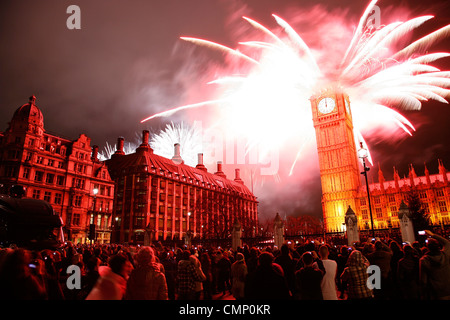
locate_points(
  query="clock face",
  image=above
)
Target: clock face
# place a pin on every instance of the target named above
(326, 105)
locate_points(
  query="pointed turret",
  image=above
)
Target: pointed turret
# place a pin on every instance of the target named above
(427, 175)
(396, 179)
(380, 178)
(412, 175)
(443, 171)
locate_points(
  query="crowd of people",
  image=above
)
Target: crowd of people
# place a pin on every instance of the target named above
(305, 271)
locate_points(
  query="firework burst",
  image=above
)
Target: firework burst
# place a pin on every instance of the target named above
(268, 107)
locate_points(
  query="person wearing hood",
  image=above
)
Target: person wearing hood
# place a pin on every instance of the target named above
(147, 281)
(238, 275)
(355, 275)
(434, 268)
(112, 283)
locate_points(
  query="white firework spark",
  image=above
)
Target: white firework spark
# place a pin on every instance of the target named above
(271, 101)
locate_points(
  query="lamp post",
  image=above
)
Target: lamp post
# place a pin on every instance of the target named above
(363, 154)
(92, 226)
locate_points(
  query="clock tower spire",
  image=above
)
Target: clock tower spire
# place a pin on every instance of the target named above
(338, 163)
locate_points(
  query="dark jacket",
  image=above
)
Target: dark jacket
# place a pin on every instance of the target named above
(435, 272)
(308, 280)
(266, 283)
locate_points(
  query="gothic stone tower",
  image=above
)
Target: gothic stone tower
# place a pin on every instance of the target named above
(338, 161)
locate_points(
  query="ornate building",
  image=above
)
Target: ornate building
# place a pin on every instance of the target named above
(386, 196)
(341, 177)
(164, 199)
(63, 172)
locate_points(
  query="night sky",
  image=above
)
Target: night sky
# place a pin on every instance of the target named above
(127, 62)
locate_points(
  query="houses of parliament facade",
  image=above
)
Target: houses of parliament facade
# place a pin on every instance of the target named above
(342, 181)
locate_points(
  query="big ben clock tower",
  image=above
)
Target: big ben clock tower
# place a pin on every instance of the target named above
(338, 163)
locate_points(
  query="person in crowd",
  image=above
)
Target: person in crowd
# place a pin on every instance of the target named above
(308, 280)
(355, 275)
(167, 259)
(90, 278)
(341, 261)
(223, 273)
(198, 283)
(146, 281)
(328, 284)
(205, 261)
(408, 274)
(288, 264)
(266, 282)
(21, 277)
(187, 275)
(238, 275)
(381, 257)
(434, 268)
(112, 283)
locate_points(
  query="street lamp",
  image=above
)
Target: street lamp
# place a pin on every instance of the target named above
(363, 154)
(92, 225)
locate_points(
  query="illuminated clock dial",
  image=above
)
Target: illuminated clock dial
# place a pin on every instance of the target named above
(326, 105)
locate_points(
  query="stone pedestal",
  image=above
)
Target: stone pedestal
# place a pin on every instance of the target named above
(278, 231)
(406, 226)
(351, 223)
(236, 235)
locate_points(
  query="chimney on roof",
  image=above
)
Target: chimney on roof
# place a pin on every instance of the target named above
(219, 172)
(144, 145)
(119, 148)
(177, 154)
(238, 176)
(94, 156)
(200, 164)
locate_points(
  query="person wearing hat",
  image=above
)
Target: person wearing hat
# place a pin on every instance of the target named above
(238, 275)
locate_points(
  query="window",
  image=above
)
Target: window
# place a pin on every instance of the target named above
(50, 178)
(36, 194)
(60, 165)
(391, 198)
(58, 198)
(394, 211)
(40, 160)
(423, 195)
(442, 206)
(26, 173)
(76, 219)
(99, 221)
(10, 171)
(376, 200)
(38, 176)
(77, 201)
(426, 207)
(47, 196)
(60, 180)
(51, 162)
(440, 193)
(379, 212)
(362, 201)
(29, 155)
